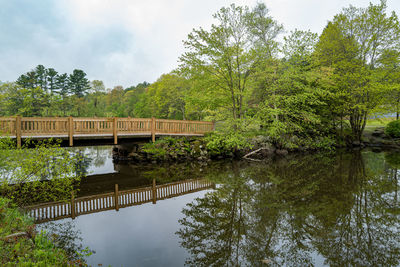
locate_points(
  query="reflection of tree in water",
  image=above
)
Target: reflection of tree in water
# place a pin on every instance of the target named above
(101, 154)
(83, 163)
(287, 212)
(96, 156)
(213, 225)
(66, 237)
(393, 160)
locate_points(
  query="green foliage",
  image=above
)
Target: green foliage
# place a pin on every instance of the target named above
(78, 83)
(221, 62)
(393, 159)
(32, 248)
(393, 128)
(155, 149)
(168, 147)
(226, 143)
(36, 250)
(293, 107)
(355, 44)
(44, 173)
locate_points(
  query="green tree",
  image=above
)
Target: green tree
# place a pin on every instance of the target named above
(389, 64)
(223, 59)
(24, 101)
(40, 77)
(167, 97)
(52, 79)
(62, 84)
(293, 95)
(78, 83)
(135, 100)
(352, 44)
(114, 101)
(96, 92)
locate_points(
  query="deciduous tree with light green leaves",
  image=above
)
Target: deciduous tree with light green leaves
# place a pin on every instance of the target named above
(222, 60)
(389, 64)
(352, 44)
(293, 94)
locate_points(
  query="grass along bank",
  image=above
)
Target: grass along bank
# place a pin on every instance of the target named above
(21, 244)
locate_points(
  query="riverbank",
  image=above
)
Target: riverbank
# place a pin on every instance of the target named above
(378, 139)
(204, 149)
(259, 147)
(21, 244)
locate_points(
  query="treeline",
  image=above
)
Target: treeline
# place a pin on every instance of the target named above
(309, 87)
(44, 92)
(50, 81)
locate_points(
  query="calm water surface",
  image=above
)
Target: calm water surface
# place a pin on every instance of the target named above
(307, 210)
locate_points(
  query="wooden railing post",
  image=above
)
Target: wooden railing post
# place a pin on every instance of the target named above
(71, 131)
(153, 129)
(115, 130)
(213, 128)
(18, 131)
(154, 192)
(116, 198)
(72, 205)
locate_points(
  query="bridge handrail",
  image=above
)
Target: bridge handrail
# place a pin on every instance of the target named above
(46, 127)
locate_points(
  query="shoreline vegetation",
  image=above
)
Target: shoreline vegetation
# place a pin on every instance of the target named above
(38, 172)
(217, 146)
(22, 244)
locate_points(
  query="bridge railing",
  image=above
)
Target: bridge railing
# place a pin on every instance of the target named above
(183, 127)
(31, 127)
(134, 125)
(114, 200)
(8, 126)
(41, 127)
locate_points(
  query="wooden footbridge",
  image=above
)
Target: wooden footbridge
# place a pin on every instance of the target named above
(70, 128)
(114, 200)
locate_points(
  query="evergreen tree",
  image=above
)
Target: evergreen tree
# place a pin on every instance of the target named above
(40, 77)
(62, 83)
(51, 79)
(78, 83)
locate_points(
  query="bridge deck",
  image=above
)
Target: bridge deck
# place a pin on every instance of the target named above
(97, 128)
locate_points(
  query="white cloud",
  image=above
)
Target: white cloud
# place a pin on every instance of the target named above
(124, 42)
(157, 27)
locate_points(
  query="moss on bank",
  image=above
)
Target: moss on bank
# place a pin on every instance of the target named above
(22, 245)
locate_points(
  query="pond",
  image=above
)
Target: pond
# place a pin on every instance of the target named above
(337, 209)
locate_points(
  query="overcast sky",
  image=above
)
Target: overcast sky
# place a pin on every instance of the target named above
(124, 42)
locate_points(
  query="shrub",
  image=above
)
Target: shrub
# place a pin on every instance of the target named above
(46, 172)
(226, 143)
(31, 250)
(155, 150)
(393, 128)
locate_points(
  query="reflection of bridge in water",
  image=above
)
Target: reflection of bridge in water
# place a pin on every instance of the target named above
(114, 200)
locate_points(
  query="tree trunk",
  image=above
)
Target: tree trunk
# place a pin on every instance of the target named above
(358, 120)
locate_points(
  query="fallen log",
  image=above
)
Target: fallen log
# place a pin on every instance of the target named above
(15, 236)
(254, 152)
